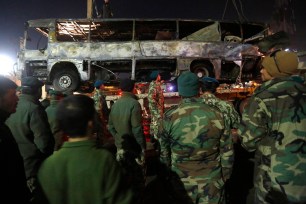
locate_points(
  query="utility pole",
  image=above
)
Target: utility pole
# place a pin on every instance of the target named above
(89, 9)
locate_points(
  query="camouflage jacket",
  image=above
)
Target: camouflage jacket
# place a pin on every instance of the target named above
(274, 124)
(192, 141)
(231, 116)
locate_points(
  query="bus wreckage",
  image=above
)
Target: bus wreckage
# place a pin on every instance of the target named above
(71, 54)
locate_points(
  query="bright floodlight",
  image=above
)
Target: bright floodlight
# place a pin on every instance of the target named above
(6, 65)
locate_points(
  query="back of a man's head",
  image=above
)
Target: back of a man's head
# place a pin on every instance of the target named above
(31, 85)
(127, 85)
(73, 114)
(5, 85)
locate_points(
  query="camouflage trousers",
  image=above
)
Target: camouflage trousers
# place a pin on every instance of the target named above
(203, 192)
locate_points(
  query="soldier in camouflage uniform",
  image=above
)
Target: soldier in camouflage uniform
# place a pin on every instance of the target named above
(156, 100)
(274, 125)
(193, 144)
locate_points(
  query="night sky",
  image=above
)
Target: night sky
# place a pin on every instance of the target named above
(15, 12)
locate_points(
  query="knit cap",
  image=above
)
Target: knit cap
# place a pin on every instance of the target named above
(281, 63)
(127, 85)
(188, 84)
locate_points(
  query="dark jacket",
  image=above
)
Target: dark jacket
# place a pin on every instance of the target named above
(31, 130)
(12, 176)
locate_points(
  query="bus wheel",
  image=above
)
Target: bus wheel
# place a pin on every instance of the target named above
(202, 70)
(66, 81)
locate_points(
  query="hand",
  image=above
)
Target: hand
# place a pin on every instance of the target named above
(141, 159)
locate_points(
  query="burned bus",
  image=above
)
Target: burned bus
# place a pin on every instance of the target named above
(70, 54)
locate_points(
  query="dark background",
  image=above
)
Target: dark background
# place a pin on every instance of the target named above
(14, 13)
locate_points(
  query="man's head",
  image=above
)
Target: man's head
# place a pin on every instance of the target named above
(188, 84)
(164, 76)
(127, 85)
(32, 86)
(209, 84)
(75, 114)
(279, 64)
(8, 97)
(160, 75)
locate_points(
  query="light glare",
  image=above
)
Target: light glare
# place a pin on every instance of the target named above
(6, 65)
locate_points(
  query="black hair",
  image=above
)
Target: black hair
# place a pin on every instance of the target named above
(5, 84)
(30, 90)
(165, 75)
(127, 84)
(73, 114)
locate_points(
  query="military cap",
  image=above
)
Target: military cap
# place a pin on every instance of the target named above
(281, 63)
(98, 83)
(209, 84)
(188, 84)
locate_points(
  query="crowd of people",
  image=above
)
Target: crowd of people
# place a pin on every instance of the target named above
(78, 150)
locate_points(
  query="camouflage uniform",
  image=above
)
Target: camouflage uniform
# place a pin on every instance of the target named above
(231, 116)
(156, 105)
(274, 124)
(194, 147)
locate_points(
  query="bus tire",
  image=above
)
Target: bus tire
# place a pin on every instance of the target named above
(202, 70)
(66, 81)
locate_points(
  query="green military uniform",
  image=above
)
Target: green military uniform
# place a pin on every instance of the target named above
(156, 106)
(31, 130)
(55, 97)
(80, 173)
(274, 124)
(194, 146)
(125, 118)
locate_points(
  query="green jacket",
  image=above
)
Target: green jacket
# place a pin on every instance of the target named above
(126, 118)
(31, 130)
(274, 124)
(56, 131)
(80, 173)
